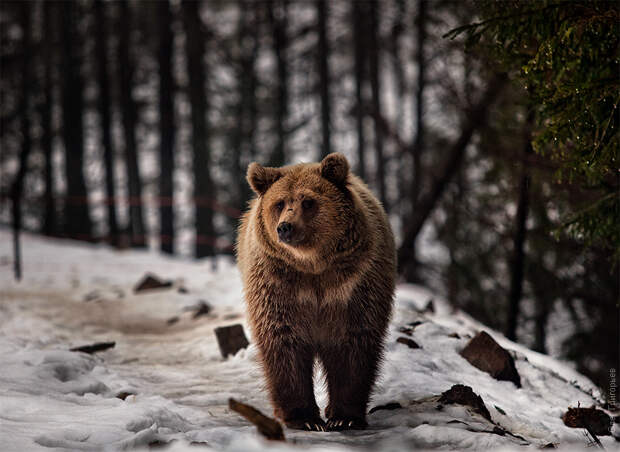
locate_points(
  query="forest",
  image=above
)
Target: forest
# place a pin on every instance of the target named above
(488, 130)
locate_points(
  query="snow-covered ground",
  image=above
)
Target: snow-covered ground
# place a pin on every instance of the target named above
(75, 294)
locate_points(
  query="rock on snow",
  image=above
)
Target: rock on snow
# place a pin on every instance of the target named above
(175, 385)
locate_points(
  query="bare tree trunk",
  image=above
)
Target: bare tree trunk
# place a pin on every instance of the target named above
(278, 10)
(24, 113)
(104, 112)
(375, 85)
(359, 41)
(400, 88)
(417, 148)
(475, 119)
(204, 189)
(418, 144)
(166, 129)
(243, 139)
(323, 56)
(77, 217)
(540, 329)
(137, 227)
(517, 263)
(49, 219)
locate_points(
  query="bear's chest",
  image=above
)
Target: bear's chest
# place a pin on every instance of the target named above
(324, 308)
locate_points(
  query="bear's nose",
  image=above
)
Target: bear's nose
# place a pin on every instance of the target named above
(285, 231)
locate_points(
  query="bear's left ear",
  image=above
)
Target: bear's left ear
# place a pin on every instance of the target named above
(335, 168)
(261, 178)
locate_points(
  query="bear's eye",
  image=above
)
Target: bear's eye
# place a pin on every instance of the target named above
(280, 205)
(307, 204)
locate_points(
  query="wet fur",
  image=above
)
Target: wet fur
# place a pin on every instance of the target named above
(330, 298)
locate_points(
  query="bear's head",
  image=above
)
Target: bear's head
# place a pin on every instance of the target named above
(306, 208)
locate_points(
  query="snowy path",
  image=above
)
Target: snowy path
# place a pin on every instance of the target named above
(76, 294)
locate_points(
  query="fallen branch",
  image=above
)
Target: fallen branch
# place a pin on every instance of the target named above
(94, 348)
(269, 428)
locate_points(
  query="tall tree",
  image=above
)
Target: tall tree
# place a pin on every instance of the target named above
(359, 42)
(419, 143)
(24, 114)
(278, 12)
(77, 217)
(517, 264)
(104, 113)
(375, 86)
(417, 148)
(166, 129)
(454, 156)
(324, 79)
(568, 55)
(204, 189)
(47, 137)
(398, 69)
(243, 136)
(137, 229)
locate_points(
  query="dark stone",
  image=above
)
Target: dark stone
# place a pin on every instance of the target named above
(405, 330)
(150, 282)
(124, 394)
(464, 395)
(487, 355)
(388, 406)
(202, 308)
(408, 342)
(430, 307)
(231, 339)
(93, 348)
(594, 420)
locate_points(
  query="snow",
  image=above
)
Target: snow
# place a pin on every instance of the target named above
(75, 294)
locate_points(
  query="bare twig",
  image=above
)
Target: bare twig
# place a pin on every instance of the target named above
(268, 427)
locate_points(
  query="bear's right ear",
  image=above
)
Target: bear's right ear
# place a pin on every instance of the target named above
(335, 168)
(261, 178)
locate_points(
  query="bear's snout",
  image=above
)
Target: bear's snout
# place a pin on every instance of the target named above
(285, 232)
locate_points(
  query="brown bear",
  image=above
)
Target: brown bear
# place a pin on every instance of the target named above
(318, 263)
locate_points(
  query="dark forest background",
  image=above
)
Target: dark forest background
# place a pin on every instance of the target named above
(131, 123)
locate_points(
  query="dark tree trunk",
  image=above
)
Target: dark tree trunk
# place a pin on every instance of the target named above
(77, 222)
(204, 188)
(375, 85)
(49, 217)
(104, 112)
(166, 129)
(137, 229)
(540, 329)
(517, 264)
(359, 40)
(278, 17)
(398, 28)
(475, 119)
(243, 138)
(418, 144)
(323, 56)
(417, 148)
(24, 114)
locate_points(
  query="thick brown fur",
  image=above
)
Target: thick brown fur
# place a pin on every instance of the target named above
(327, 293)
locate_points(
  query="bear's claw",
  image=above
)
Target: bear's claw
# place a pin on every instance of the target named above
(312, 426)
(345, 424)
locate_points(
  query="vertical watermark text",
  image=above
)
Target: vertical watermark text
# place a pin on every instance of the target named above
(612, 389)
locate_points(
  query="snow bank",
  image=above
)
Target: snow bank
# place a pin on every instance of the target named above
(175, 386)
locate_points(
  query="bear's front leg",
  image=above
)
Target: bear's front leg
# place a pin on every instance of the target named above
(351, 369)
(288, 366)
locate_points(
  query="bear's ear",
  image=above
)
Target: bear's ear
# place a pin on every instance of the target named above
(261, 178)
(335, 168)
